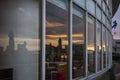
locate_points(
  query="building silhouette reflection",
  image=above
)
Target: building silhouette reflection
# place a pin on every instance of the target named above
(22, 61)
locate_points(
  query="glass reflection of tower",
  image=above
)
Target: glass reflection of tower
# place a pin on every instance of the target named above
(11, 41)
(59, 45)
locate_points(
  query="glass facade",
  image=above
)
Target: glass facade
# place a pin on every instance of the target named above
(104, 46)
(81, 2)
(78, 42)
(98, 13)
(19, 39)
(55, 39)
(91, 44)
(99, 2)
(103, 5)
(103, 18)
(98, 44)
(91, 6)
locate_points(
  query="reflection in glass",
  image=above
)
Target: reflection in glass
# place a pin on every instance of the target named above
(107, 46)
(99, 2)
(91, 45)
(81, 2)
(56, 40)
(91, 6)
(104, 46)
(107, 12)
(78, 42)
(98, 13)
(103, 5)
(103, 18)
(19, 38)
(98, 43)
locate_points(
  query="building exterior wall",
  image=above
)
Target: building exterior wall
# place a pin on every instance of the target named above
(55, 39)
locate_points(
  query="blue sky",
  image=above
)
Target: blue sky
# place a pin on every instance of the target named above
(116, 32)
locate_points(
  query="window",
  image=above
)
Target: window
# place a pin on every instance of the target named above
(103, 18)
(98, 43)
(98, 13)
(56, 39)
(91, 6)
(91, 45)
(107, 46)
(19, 38)
(99, 2)
(81, 2)
(107, 11)
(103, 5)
(78, 42)
(104, 46)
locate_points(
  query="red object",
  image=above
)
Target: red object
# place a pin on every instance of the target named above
(59, 76)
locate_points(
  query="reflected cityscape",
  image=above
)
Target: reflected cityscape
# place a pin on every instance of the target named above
(56, 53)
(22, 47)
(20, 60)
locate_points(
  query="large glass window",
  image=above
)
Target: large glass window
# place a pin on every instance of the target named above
(107, 46)
(91, 6)
(91, 44)
(103, 5)
(103, 18)
(99, 2)
(19, 39)
(109, 50)
(81, 2)
(56, 40)
(78, 42)
(98, 13)
(98, 43)
(107, 11)
(104, 46)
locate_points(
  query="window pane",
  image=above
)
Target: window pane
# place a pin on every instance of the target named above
(103, 18)
(104, 46)
(81, 2)
(19, 38)
(103, 5)
(107, 11)
(91, 45)
(107, 45)
(56, 39)
(78, 42)
(99, 50)
(99, 2)
(91, 6)
(98, 13)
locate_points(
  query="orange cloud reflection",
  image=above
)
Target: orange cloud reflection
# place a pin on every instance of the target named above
(63, 35)
(53, 24)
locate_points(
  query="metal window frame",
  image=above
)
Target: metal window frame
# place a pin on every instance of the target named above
(43, 40)
(70, 23)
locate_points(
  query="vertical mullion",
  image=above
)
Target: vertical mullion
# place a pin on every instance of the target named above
(96, 57)
(43, 39)
(96, 60)
(102, 47)
(107, 47)
(86, 42)
(70, 41)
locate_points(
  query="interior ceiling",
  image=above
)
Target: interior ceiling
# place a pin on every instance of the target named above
(57, 21)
